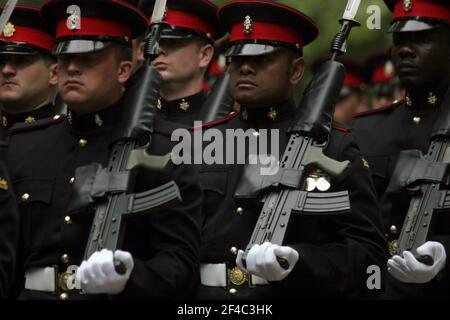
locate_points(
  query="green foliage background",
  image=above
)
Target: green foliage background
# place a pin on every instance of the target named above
(326, 13)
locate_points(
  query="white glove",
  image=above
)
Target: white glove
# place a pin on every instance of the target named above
(262, 261)
(98, 275)
(409, 270)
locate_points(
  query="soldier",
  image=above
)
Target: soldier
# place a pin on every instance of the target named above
(327, 256)
(9, 233)
(27, 68)
(160, 251)
(383, 83)
(187, 49)
(420, 54)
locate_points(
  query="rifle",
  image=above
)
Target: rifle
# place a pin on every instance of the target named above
(110, 189)
(427, 178)
(283, 194)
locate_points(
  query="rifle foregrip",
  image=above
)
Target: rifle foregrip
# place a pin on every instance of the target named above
(337, 169)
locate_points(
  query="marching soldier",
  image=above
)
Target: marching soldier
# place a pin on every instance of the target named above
(27, 68)
(327, 256)
(186, 51)
(160, 251)
(420, 54)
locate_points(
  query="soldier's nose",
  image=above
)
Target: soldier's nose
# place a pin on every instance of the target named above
(405, 52)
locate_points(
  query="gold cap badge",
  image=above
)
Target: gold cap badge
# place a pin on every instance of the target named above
(9, 30)
(248, 25)
(407, 5)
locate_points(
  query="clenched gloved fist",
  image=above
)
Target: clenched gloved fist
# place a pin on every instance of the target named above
(98, 275)
(262, 261)
(409, 270)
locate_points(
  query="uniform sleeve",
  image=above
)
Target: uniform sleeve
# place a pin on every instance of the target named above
(340, 266)
(168, 244)
(9, 230)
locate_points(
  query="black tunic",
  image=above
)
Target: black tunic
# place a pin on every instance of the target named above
(164, 244)
(382, 135)
(335, 251)
(9, 232)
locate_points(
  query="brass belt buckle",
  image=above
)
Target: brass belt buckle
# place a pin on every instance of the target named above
(236, 276)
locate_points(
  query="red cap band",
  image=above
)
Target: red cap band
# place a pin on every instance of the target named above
(186, 20)
(95, 27)
(267, 31)
(31, 36)
(421, 8)
(379, 75)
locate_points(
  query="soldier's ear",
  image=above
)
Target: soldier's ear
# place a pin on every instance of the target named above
(53, 80)
(297, 70)
(141, 48)
(206, 55)
(124, 71)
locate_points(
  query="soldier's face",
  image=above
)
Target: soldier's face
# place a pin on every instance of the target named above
(422, 59)
(260, 81)
(182, 61)
(26, 82)
(89, 82)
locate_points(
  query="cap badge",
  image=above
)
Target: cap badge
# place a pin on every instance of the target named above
(407, 5)
(389, 69)
(248, 25)
(9, 30)
(4, 121)
(74, 20)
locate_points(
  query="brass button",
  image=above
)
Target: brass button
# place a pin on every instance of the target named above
(417, 120)
(25, 197)
(232, 291)
(56, 117)
(234, 250)
(65, 258)
(240, 211)
(82, 143)
(67, 220)
(72, 180)
(64, 296)
(393, 229)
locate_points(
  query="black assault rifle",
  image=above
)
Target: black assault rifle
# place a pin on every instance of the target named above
(110, 189)
(427, 178)
(283, 194)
